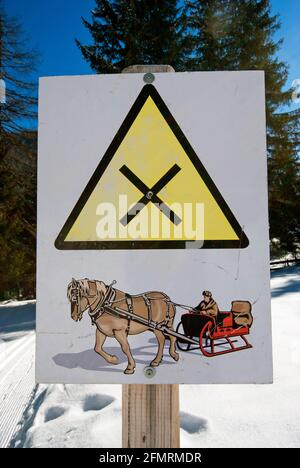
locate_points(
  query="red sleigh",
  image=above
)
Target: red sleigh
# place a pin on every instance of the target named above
(225, 333)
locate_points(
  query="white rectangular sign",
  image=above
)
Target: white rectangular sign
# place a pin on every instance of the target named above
(153, 249)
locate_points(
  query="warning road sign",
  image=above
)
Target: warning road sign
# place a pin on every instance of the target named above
(127, 172)
(150, 190)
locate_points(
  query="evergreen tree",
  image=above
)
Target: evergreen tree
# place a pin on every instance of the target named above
(16, 66)
(130, 32)
(18, 218)
(239, 35)
(284, 181)
(17, 162)
(208, 35)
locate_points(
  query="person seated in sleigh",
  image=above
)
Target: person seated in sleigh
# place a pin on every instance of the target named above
(207, 306)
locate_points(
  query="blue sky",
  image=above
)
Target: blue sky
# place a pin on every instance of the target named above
(52, 26)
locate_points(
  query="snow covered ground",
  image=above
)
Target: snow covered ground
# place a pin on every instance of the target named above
(17, 323)
(211, 416)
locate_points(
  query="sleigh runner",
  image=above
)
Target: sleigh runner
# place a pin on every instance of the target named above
(118, 314)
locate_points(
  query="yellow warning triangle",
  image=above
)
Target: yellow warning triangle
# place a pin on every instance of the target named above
(150, 190)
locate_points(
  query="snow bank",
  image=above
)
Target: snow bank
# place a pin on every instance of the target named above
(211, 416)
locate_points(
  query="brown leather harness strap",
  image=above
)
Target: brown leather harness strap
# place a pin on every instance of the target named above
(148, 305)
(128, 300)
(167, 299)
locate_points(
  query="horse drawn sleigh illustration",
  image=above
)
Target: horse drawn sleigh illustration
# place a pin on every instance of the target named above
(117, 314)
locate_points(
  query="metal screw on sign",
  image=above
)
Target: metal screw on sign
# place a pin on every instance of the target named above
(149, 78)
(149, 372)
(149, 195)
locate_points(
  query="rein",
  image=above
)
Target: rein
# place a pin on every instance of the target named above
(109, 298)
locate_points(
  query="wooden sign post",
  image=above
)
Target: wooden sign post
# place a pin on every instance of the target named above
(150, 413)
(150, 416)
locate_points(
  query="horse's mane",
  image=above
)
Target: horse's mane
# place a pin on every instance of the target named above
(83, 286)
(69, 290)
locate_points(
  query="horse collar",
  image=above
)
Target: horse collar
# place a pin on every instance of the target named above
(107, 300)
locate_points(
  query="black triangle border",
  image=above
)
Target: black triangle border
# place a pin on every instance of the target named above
(149, 90)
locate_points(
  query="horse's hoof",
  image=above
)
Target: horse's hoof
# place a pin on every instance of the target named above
(113, 360)
(155, 363)
(129, 371)
(175, 357)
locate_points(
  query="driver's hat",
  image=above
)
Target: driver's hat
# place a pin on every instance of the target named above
(207, 293)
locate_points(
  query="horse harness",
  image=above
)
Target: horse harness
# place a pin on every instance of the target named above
(110, 299)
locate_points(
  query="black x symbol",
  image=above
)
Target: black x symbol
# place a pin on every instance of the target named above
(150, 194)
